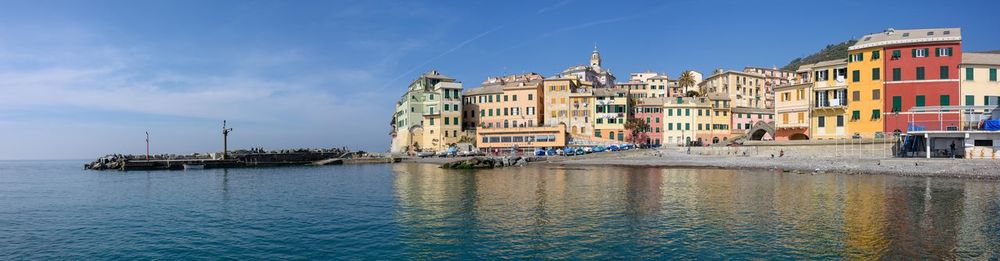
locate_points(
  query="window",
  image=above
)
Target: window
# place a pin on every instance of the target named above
(993, 74)
(920, 101)
(856, 95)
(856, 76)
(897, 74)
(920, 73)
(432, 121)
(876, 94)
(970, 100)
(840, 120)
(821, 121)
(687, 112)
(670, 126)
(944, 72)
(687, 126)
(897, 103)
(876, 74)
(530, 97)
(945, 100)
(855, 115)
(876, 114)
(875, 55)
(514, 97)
(968, 74)
(943, 51)
(895, 54)
(919, 52)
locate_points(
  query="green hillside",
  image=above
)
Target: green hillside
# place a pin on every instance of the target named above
(831, 52)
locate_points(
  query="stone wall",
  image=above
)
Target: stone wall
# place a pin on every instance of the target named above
(868, 149)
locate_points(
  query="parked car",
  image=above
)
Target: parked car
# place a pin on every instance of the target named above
(424, 154)
(588, 150)
(600, 149)
(614, 148)
(550, 152)
(539, 152)
(569, 151)
(580, 151)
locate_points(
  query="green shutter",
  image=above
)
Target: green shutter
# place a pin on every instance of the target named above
(945, 100)
(944, 72)
(970, 100)
(897, 103)
(855, 115)
(920, 100)
(896, 74)
(927, 52)
(876, 74)
(937, 52)
(969, 74)
(856, 76)
(993, 74)
(861, 57)
(920, 73)
(876, 114)
(913, 52)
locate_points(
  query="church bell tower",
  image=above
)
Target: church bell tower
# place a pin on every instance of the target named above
(595, 58)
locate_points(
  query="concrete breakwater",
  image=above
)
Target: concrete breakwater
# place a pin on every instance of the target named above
(236, 159)
(489, 162)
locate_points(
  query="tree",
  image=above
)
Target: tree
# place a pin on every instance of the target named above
(636, 126)
(686, 80)
(691, 94)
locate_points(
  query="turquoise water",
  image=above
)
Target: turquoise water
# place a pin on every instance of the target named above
(56, 210)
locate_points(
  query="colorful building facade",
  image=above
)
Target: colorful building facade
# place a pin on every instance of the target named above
(650, 110)
(792, 109)
(828, 119)
(922, 70)
(428, 116)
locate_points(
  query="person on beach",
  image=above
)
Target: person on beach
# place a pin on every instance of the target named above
(781, 153)
(953, 149)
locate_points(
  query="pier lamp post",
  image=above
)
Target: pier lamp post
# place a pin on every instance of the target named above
(147, 145)
(225, 139)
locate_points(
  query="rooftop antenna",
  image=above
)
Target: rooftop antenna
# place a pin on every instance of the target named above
(225, 139)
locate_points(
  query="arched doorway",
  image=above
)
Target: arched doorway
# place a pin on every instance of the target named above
(798, 136)
(715, 140)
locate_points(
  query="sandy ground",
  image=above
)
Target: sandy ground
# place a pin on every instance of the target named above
(979, 169)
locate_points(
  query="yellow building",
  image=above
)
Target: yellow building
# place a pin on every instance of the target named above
(978, 74)
(792, 107)
(611, 111)
(865, 90)
(829, 99)
(682, 117)
(719, 129)
(743, 89)
(568, 102)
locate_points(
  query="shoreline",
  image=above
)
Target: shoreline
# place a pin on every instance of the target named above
(672, 158)
(907, 167)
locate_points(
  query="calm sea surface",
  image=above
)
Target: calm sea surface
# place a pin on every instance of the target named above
(56, 210)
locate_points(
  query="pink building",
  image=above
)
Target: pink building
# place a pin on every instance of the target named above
(744, 118)
(650, 110)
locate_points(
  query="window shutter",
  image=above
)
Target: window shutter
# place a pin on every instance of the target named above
(937, 52)
(927, 52)
(913, 52)
(861, 57)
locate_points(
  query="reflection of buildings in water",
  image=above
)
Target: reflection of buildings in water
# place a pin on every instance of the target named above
(979, 214)
(926, 212)
(865, 217)
(434, 207)
(807, 209)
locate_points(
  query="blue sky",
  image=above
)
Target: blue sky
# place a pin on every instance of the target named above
(81, 79)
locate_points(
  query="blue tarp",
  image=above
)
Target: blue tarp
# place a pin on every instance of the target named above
(915, 127)
(991, 125)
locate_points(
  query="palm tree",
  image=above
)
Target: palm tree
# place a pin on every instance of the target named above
(686, 80)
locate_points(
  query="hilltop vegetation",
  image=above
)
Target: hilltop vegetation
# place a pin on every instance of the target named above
(831, 52)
